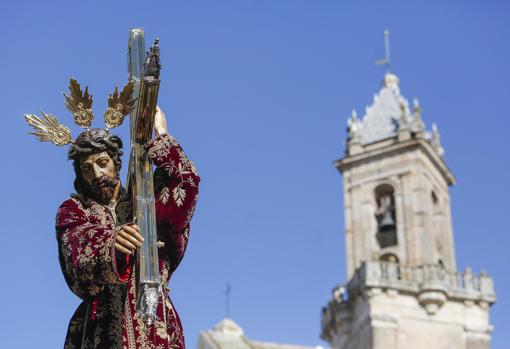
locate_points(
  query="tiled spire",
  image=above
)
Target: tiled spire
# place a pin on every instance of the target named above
(387, 116)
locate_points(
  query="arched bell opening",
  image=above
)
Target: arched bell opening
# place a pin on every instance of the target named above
(389, 257)
(385, 215)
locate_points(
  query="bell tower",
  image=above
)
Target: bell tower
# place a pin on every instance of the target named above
(404, 290)
(397, 205)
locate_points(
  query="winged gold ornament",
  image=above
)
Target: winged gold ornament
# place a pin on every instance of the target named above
(48, 129)
(80, 104)
(119, 105)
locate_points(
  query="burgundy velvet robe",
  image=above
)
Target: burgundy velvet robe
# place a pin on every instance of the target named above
(103, 277)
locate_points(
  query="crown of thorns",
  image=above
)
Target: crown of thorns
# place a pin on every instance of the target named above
(48, 129)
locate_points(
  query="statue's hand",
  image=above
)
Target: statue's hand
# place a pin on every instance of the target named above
(128, 238)
(160, 122)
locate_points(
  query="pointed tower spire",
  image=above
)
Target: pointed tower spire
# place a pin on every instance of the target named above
(353, 124)
(353, 138)
(418, 124)
(436, 140)
(404, 116)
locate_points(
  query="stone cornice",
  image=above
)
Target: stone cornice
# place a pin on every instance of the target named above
(396, 148)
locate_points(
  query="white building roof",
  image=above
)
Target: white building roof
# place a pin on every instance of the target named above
(229, 335)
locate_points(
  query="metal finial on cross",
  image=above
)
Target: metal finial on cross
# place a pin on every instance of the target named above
(227, 300)
(387, 58)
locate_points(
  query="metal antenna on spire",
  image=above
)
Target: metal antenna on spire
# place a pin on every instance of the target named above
(387, 58)
(227, 300)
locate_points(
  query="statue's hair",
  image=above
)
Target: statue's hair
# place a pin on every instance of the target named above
(89, 142)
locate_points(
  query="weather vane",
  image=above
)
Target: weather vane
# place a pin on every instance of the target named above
(386, 60)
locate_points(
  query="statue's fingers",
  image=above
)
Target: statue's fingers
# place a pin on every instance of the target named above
(130, 238)
(160, 126)
(131, 231)
(122, 249)
(134, 226)
(124, 242)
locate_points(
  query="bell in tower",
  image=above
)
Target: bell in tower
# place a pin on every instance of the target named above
(385, 214)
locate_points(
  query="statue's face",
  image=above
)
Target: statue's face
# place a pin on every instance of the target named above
(96, 166)
(99, 173)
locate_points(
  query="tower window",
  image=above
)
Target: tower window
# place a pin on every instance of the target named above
(385, 215)
(441, 263)
(434, 198)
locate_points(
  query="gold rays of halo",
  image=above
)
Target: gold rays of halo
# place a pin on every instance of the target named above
(119, 105)
(80, 104)
(47, 129)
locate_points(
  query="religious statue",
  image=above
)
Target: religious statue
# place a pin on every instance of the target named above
(104, 242)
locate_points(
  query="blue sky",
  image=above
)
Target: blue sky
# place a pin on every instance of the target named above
(258, 92)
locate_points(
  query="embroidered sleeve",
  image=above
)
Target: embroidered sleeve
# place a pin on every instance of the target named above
(176, 191)
(87, 252)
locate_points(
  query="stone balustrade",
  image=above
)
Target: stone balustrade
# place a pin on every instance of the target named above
(463, 285)
(432, 285)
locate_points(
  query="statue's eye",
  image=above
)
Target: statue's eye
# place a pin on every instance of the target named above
(85, 169)
(102, 162)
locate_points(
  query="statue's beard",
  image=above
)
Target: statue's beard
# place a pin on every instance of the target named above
(102, 189)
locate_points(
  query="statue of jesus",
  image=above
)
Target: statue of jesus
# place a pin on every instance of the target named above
(98, 239)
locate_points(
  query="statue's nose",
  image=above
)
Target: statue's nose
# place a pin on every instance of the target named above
(97, 172)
